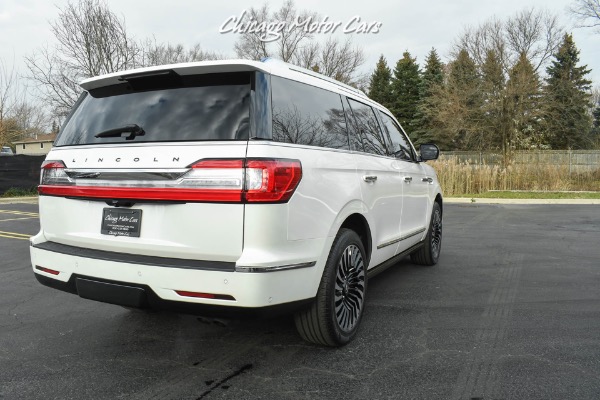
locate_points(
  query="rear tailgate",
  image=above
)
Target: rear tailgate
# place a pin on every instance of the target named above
(168, 227)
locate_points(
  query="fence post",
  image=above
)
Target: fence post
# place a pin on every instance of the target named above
(570, 168)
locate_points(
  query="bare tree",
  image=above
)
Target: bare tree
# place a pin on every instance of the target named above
(153, 53)
(536, 33)
(251, 44)
(334, 58)
(18, 118)
(92, 40)
(9, 97)
(587, 13)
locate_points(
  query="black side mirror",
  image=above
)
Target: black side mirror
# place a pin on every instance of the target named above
(429, 151)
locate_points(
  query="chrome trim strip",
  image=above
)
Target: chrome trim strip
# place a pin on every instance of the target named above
(386, 244)
(407, 236)
(115, 174)
(275, 268)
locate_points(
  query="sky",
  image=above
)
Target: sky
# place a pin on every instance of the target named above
(416, 26)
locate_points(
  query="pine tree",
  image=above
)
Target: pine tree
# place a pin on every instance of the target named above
(493, 116)
(405, 90)
(567, 98)
(523, 106)
(380, 89)
(454, 108)
(464, 88)
(432, 79)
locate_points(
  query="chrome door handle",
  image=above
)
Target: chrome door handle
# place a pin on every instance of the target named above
(408, 179)
(370, 178)
(429, 180)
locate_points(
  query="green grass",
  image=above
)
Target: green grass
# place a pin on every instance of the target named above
(531, 195)
(20, 192)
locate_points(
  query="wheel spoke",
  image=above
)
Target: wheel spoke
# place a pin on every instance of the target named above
(349, 288)
(436, 233)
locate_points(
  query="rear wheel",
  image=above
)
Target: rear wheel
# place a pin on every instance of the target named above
(334, 317)
(430, 252)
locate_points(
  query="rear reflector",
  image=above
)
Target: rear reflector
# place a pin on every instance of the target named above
(47, 270)
(254, 180)
(205, 295)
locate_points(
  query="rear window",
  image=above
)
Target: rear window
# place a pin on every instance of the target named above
(180, 108)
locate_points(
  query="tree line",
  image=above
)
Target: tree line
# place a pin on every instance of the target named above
(511, 84)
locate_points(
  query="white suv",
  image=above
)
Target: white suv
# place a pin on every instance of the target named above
(233, 188)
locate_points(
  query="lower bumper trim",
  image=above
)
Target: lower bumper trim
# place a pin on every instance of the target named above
(276, 268)
(142, 296)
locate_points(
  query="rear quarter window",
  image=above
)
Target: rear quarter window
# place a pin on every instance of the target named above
(307, 115)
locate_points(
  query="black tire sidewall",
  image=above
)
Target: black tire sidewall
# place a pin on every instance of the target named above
(435, 257)
(345, 238)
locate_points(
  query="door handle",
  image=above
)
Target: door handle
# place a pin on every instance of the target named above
(370, 178)
(429, 180)
(408, 179)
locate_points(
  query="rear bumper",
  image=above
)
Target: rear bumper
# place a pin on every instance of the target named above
(146, 282)
(142, 296)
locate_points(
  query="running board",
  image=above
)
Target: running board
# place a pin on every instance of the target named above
(386, 264)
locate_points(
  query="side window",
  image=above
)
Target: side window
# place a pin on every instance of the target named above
(400, 145)
(368, 135)
(307, 115)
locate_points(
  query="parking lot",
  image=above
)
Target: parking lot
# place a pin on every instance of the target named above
(512, 311)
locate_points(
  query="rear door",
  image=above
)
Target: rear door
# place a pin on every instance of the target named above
(380, 182)
(162, 154)
(415, 185)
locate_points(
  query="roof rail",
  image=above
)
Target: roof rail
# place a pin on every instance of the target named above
(314, 74)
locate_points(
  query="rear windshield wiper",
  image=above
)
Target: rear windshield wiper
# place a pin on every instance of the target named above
(133, 130)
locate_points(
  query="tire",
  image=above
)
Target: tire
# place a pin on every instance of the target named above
(430, 252)
(334, 317)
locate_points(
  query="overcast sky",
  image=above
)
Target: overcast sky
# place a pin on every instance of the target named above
(416, 26)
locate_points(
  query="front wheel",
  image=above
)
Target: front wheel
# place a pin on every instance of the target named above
(430, 252)
(334, 317)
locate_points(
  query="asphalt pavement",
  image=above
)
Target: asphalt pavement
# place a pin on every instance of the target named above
(512, 311)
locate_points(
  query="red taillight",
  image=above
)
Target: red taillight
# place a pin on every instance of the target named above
(271, 180)
(253, 180)
(219, 163)
(143, 193)
(53, 173)
(205, 295)
(47, 270)
(53, 164)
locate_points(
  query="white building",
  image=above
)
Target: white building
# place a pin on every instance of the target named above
(40, 145)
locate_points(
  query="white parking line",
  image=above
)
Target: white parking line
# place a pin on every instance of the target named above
(17, 219)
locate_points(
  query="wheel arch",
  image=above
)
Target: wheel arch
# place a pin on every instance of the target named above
(358, 223)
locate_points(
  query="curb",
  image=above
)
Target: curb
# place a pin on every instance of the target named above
(475, 201)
